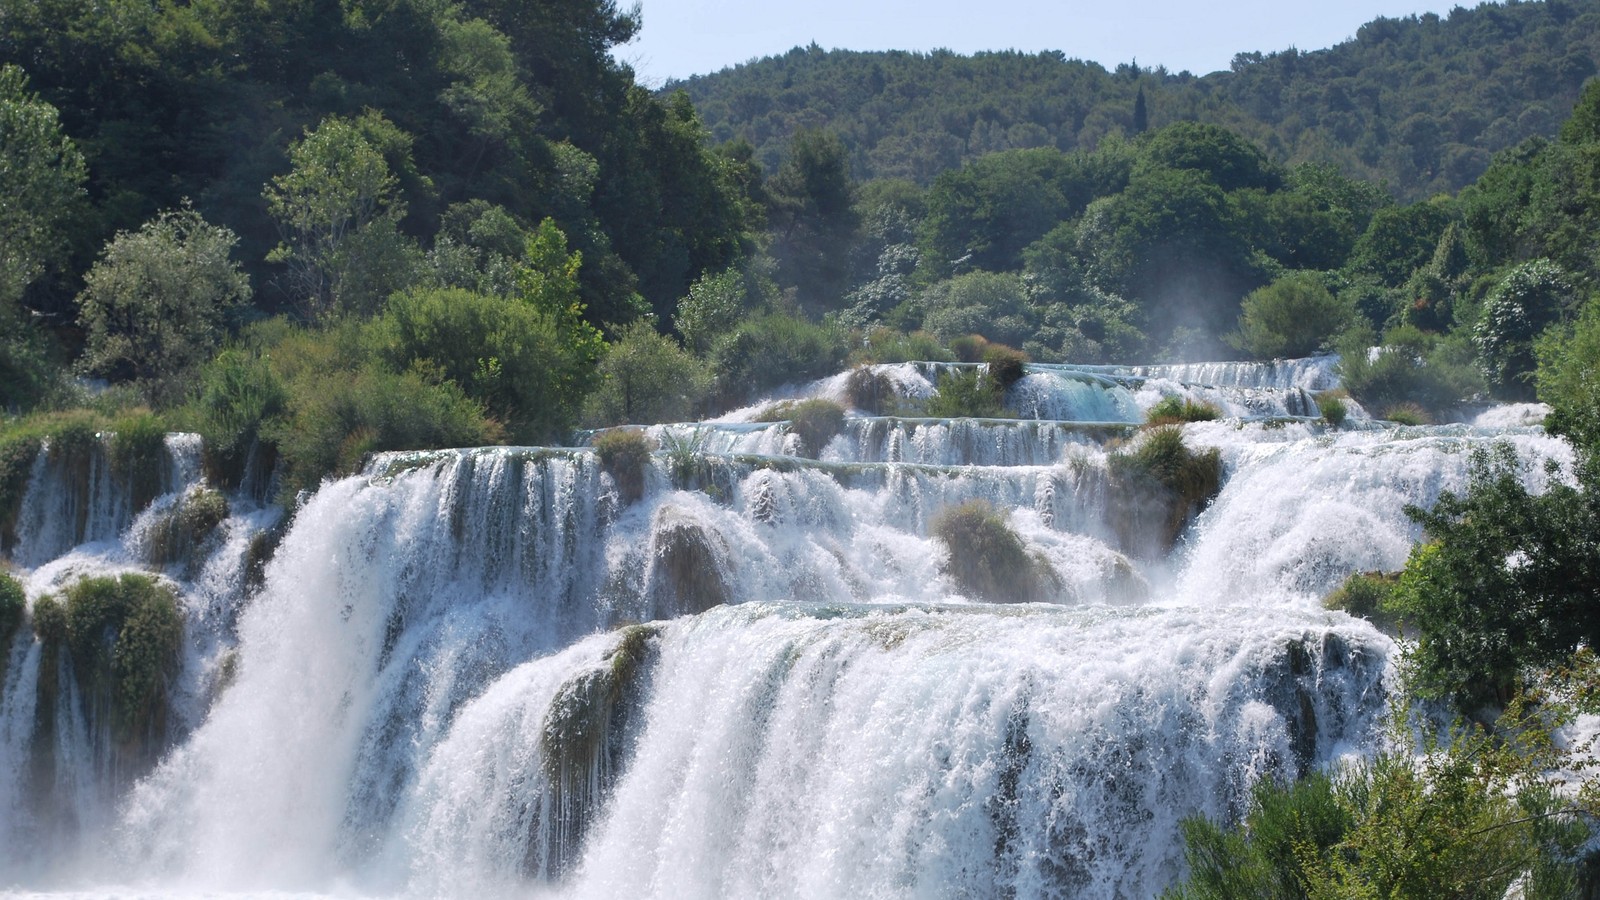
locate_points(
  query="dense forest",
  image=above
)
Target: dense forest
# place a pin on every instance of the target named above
(1419, 104)
(310, 231)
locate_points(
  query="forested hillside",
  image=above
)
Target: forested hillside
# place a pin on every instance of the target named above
(1418, 103)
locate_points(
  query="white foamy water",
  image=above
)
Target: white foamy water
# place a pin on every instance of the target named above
(435, 686)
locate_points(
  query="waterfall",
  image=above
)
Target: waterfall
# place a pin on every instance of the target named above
(499, 670)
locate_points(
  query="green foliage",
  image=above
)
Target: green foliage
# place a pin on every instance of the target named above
(1004, 366)
(1176, 410)
(1293, 316)
(624, 454)
(1410, 366)
(813, 218)
(1333, 407)
(1398, 241)
(186, 527)
(153, 306)
(815, 422)
(1569, 369)
(333, 419)
(1508, 580)
(138, 451)
(237, 392)
(125, 636)
(1366, 594)
(967, 394)
(1528, 300)
(991, 305)
(886, 345)
(339, 210)
(1407, 413)
(503, 352)
(647, 378)
(872, 392)
(1228, 159)
(714, 306)
(772, 349)
(1162, 472)
(1262, 857)
(987, 559)
(13, 603)
(41, 176)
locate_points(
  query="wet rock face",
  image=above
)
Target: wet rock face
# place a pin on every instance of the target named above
(687, 565)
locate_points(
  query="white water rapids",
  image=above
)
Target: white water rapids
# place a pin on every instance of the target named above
(491, 673)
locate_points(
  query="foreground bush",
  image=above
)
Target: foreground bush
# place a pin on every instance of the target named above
(987, 559)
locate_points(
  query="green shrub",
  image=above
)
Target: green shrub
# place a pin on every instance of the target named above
(1005, 365)
(872, 392)
(125, 636)
(503, 352)
(1162, 472)
(987, 559)
(1176, 410)
(887, 345)
(647, 378)
(139, 454)
(774, 349)
(1333, 408)
(1366, 594)
(1407, 414)
(332, 421)
(1293, 316)
(969, 349)
(13, 603)
(624, 454)
(1411, 366)
(815, 422)
(187, 526)
(967, 393)
(238, 392)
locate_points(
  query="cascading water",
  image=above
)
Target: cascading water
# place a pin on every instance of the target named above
(486, 671)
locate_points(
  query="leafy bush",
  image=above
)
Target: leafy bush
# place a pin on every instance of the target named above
(1533, 554)
(872, 392)
(238, 392)
(1529, 299)
(1004, 365)
(187, 526)
(773, 349)
(814, 422)
(969, 348)
(503, 352)
(646, 378)
(332, 421)
(986, 557)
(1333, 408)
(1162, 472)
(1175, 410)
(154, 303)
(1366, 594)
(1437, 373)
(624, 454)
(125, 636)
(13, 603)
(1293, 316)
(1407, 414)
(886, 345)
(966, 393)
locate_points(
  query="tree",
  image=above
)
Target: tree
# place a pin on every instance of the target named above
(1528, 300)
(339, 210)
(647, 378)
(155, 302)
(41, 185)
(813, 218)
(714, 306)
(1293, 316)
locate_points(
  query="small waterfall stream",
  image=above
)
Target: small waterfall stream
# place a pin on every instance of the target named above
(494, 671)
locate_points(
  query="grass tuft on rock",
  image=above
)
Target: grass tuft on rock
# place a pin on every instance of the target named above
(1366, 595)
(624, 454)
(988, 559)
(1164, 484)
(815, 422)
(1176, 410)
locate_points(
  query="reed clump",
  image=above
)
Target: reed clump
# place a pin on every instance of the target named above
(1164, 484)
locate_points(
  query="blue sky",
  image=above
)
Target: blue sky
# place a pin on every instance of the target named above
(692, 37)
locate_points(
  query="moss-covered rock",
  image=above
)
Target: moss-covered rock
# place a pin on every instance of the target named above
(872, 391)
(987, 559)
(186, 528)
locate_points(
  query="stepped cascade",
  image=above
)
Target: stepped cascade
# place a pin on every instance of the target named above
(749, 668)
